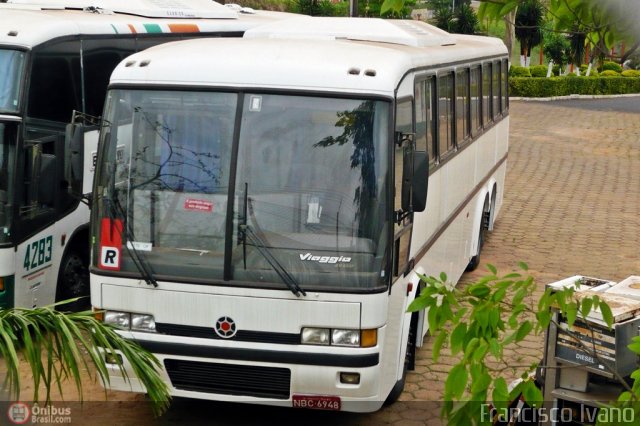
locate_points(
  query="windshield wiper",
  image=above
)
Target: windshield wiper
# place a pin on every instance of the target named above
(141, 264)
(244, 231)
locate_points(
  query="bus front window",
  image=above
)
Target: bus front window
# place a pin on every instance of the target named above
(11, 68)
(7, 169)
(310, 205)
(312, 185)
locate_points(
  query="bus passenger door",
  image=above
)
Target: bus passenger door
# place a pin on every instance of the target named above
(37, 199)
(401, 288)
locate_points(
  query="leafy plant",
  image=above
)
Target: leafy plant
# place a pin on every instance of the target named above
(53, 344)
(609, 73)
(611, 66)
(478, 322)
(630, 73)
(538, 70)
(562, 86)
(516, 71)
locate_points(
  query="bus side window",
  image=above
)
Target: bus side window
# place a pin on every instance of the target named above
(445, 113)
(462, 105)
(99, 58)
(424, 118)
(55, 82)
(496, 90)
(487, 115)
(505, 85)
(476, 101)
(40, 177)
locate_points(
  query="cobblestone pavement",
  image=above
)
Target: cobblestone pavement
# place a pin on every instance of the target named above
(571, 206)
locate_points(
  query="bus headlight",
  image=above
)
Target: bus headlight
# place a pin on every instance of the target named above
(345, 338)
(142, 322)
(315, 336)
(128, 320)
(339, 337)
(120, 319)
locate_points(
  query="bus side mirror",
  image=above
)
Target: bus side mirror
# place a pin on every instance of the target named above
(420, 181)
(46, 180)
(74, 156)
(407, 177)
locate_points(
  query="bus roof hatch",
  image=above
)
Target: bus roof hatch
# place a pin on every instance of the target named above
(402, 32)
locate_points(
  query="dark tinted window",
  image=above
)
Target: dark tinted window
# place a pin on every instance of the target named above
(445, 114)
(100, 57)
(496, 89)
(55, 90)
(476, 121)
(462, 105)
(424, 117)
(486, 94)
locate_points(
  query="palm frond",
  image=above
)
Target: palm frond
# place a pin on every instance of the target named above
(58, 346)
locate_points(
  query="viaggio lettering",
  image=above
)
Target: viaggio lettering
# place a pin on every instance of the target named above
(308, 257)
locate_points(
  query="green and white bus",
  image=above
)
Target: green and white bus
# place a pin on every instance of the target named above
(258, 223)
(56, 58)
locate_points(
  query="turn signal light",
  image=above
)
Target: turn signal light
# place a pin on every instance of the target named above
(1, 284)
(368, 338)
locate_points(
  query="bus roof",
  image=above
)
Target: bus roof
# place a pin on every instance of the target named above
(147, 8)
(26, 24)
(325, 58)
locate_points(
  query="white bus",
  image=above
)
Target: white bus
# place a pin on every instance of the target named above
(56, 58)
(258, 222)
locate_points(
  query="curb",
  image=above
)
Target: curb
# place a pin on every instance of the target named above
(571, 97)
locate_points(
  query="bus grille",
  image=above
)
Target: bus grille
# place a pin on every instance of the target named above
(229, 379)
(241, 335)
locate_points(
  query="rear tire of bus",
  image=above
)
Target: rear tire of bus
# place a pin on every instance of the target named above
(484, 225)
(73, 282)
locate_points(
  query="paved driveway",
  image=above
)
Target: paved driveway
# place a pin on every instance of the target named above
(571, 206)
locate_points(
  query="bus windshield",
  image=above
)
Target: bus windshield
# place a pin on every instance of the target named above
(7, 159)
(309, 180)
(11, 68)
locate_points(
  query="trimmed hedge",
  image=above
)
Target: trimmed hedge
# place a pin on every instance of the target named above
(631, 73)
(539, 70)
(609, 73)
(535, 87)
(516, 71)
(611, 66)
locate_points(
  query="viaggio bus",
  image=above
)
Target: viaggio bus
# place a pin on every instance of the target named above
(258, 223)
(56, 57)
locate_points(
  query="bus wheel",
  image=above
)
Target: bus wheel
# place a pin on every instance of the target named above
(73, 282)
(475, 260)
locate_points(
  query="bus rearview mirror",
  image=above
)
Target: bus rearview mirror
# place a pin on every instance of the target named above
(420, 181)
(74, 156)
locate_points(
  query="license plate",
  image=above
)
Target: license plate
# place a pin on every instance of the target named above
(317, 402)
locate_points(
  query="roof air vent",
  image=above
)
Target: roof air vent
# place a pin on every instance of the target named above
(354, 71)
(130, 64)
(145, 63)
(12, 33)
(370, 73)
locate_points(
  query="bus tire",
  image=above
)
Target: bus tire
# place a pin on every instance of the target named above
(73, 282)
(475, 260)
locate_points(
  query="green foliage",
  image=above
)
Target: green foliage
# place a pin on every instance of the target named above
(484, 318)
(516, 71)
(630, 73)
(314, 7)
(465, 20)
(529, 20)
(557, 48)
(611, 66)
(274, 5)
(609, 73)
(538, 71)
(562, 86)
(53, 344)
